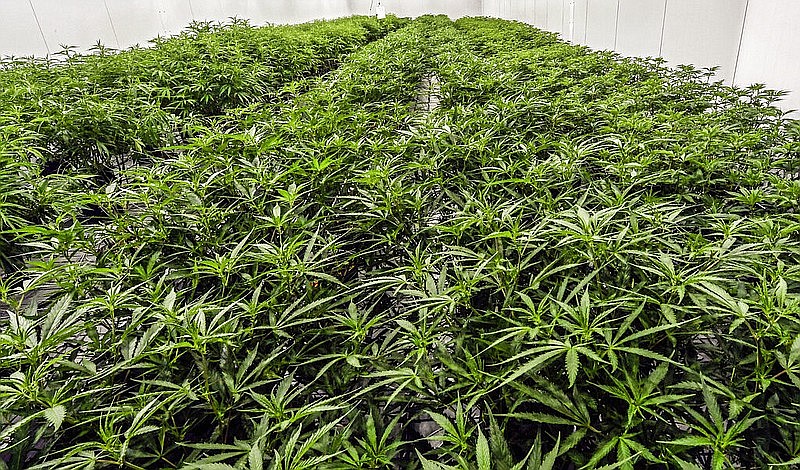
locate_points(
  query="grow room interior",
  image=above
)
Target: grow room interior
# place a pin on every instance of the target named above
(352, 234)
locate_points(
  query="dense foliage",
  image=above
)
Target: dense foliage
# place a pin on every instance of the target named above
(575, 260)
(101, 113)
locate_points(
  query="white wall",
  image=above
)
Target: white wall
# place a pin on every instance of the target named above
(452, 8)
(770, 50)
(705, 33)
(751, 41)
(38, 27)
(601, 23)
(640, 27)
(19, 30)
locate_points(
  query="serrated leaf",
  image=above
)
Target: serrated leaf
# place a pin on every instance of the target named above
(530, 366)
(718, 460)
(498, 446)
(255, 459)
(353, 361)
(573, 364)
(713, 409)
(169, 301)
(601, 452)
(781, 290)
(444, 423)
(689, 441)
(213, 466)
(432, 465)
(549, 460)
(794, 352)
(541, 418)
(406, 325)
(143, 430)
(55, 415)
(372, 435)
(482, 452)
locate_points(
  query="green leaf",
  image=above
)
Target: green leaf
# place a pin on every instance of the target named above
(143, 430)
(690, 441)
(213, 466)
(713, 409)
(498, 445)
(541, 418)
(601, 452)
(55, 415)
(444, 423)
(255, 459)
(169, 301)
(794, 352)
(407, 325)
(648, 354)
(530, 366)
(794, 461)
(573, 364)
(353, 361)
(482, 452)
(372, 436)
(430, 465)
(549, 460)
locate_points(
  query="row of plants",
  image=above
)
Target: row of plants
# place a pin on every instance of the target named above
(576, 260)
(214, 229)
(634, 235)
(91, 110)
(99, 113)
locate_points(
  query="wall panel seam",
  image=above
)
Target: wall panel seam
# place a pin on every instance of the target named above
(663, 27)
(586, 22)
(616, 26)
(739, 47)
(111, 22)
(39, 25)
